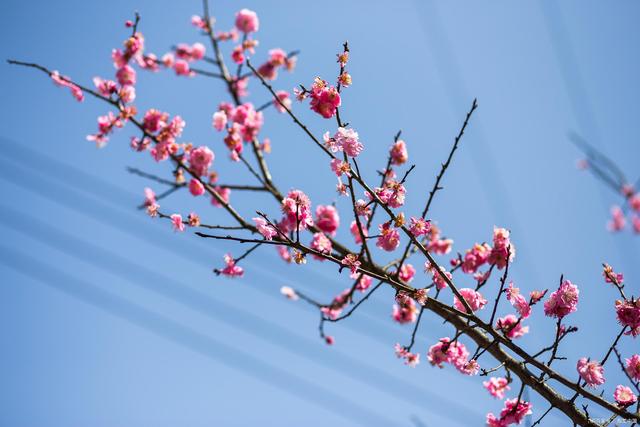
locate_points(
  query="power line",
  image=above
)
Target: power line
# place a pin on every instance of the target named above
(205, 304)
(196, 341)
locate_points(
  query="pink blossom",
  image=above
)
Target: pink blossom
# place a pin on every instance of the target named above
(289, 293)
(562, 301)
(154, 120)
(497, 386)
(407, 271)
(195, 187)
(410, 359)
(322, 244)
(340, 167)
(404, 311)
(152, 210)
(399, 153)
(198, 51)
(421, 296)
(511, 326)
(502, 248)
(198, 22)
(513, 412)
(475, 257)
(329, 340)
(635, 223)
(200, 160)
(127, 94)
(389, 238)
(193, 220)
(126, 75)
(219, 120)
(351, 261)
(176, 220)
(454, 353)
(364, 283)
(518, 301)
(64, 81)
(618, 220)
(181, 67)
(419, 226)
(296, 208)
(149, 197)
(440, 246)
(265, 228)
(474, 298)
(355, 232)
(224, 193)
(334, 310)
(247, 21)
(634, 202)
(284, 253)
(611, 276)
(231, 269)
(325, 99)
(437, 277)
(327, 219)
(285, 101)
(591, 372)
(633, 367)
(628, 314)
(105, 87)
(347, 141)
(624, 396)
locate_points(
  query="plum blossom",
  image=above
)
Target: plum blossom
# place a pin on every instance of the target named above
(624, 396)
(200, 160)
(404, 311)
(389, 238)
(518, 301)
(398, 153)
(219, 120)
(513, 412)
(618, 220)
(224, 193)
(296, 208)
(351, 261)
(231, 269)
(264, 228)
(437, 278)
(327, 219)
(562, 301)
(322, 244)
(454, 353)
(511, 326)
(334, 310)
(325, 99)
(475, 257)
(347, 140)
(497, 386)
(419, 226)
(289, 293)
(64, 81)
(611, 276)
(591, 372)
(364, 283)
(193, 219)
(195, 187)
(355, 232)
(474, 298)
(247, 21)
(628, 314)
(502, 248)
(176, 221)
(284, 103)
(410, 359)
(632, 367)
(406, 273)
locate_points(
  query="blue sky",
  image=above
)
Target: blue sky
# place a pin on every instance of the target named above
(111, 319)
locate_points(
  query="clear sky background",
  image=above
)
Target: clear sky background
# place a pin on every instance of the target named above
(108, 318)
